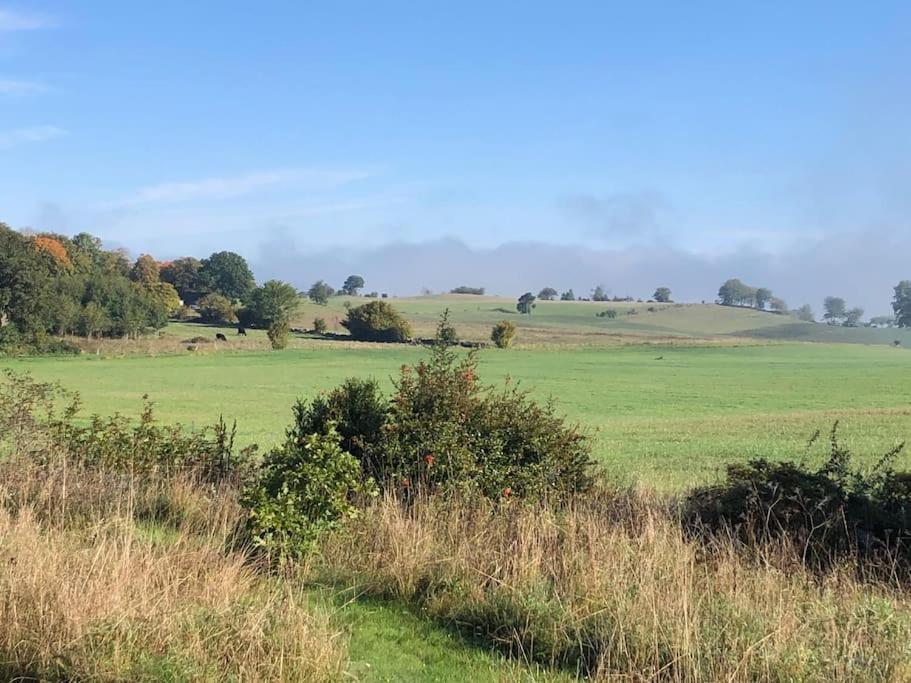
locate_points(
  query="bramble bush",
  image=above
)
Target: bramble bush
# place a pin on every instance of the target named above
(825, 513)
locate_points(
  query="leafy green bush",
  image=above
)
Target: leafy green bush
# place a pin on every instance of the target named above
(609, 313)
(444, 431)
(278, 334)
(358, 411)
(319, 325)
(825, 512)
(215, 308)
(377, 321)
(305, 487)
(503, 334)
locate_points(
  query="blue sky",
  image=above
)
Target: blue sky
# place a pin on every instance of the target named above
(716, 131)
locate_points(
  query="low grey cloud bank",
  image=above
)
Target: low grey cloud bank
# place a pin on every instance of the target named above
(862, 268)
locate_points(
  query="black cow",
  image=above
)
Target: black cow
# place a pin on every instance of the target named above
(221, 337)
(241, 332)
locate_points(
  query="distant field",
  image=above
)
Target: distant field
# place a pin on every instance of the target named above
(664, 423)
(576, 322)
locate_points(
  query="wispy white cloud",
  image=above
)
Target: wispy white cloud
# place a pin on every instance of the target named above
(18, 87)
(236, 186)
(20, 136)
(13, 20)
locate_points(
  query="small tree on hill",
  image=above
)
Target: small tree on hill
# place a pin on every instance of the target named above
(901, 303)
(835, 310)
(568, 295)
(599, 294)
(547, 294)
(526, 303)
(352, 284)
(761, 297)
(503, 334)
(320, 292)
(662, 295)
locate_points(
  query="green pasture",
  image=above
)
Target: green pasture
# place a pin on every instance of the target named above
(663, 416)
(577, 322)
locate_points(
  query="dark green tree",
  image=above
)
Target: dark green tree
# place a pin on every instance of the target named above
(526, 303)
(662, 295)
(227, 274)
(352, 284)
(901, 303)
(547, 294)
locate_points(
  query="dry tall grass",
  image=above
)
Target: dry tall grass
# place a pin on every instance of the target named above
(613, 590)
(102, 580)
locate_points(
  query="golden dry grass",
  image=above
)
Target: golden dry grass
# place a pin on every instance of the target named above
(614, 590)
(90, 592)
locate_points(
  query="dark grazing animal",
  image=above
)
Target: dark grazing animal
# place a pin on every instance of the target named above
(221, 337)
(241, 331)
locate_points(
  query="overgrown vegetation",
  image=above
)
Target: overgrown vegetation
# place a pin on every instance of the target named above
(827, 513)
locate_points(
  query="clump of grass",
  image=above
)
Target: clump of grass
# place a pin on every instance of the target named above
(613, 588)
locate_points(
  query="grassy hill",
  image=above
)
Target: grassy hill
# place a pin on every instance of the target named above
(578, 322)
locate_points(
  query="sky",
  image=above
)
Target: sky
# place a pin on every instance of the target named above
(511, 145)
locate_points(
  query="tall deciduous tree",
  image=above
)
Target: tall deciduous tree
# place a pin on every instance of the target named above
(547, 294)
(228, 274)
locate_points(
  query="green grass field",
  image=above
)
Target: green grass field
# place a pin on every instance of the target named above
(663, 423)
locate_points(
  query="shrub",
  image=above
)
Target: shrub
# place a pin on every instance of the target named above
(319, 325)
(503, 334)
(446, 333)
(215, 308)
(358, 411)
(10, 339)
(825, 513)
(444, 431)
(32, 427)
(186, 313)
(377, 321)
(278, 334)
(609, 313)
(305, 487)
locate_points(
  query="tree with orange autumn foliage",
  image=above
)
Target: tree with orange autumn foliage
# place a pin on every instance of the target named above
(53, 248)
